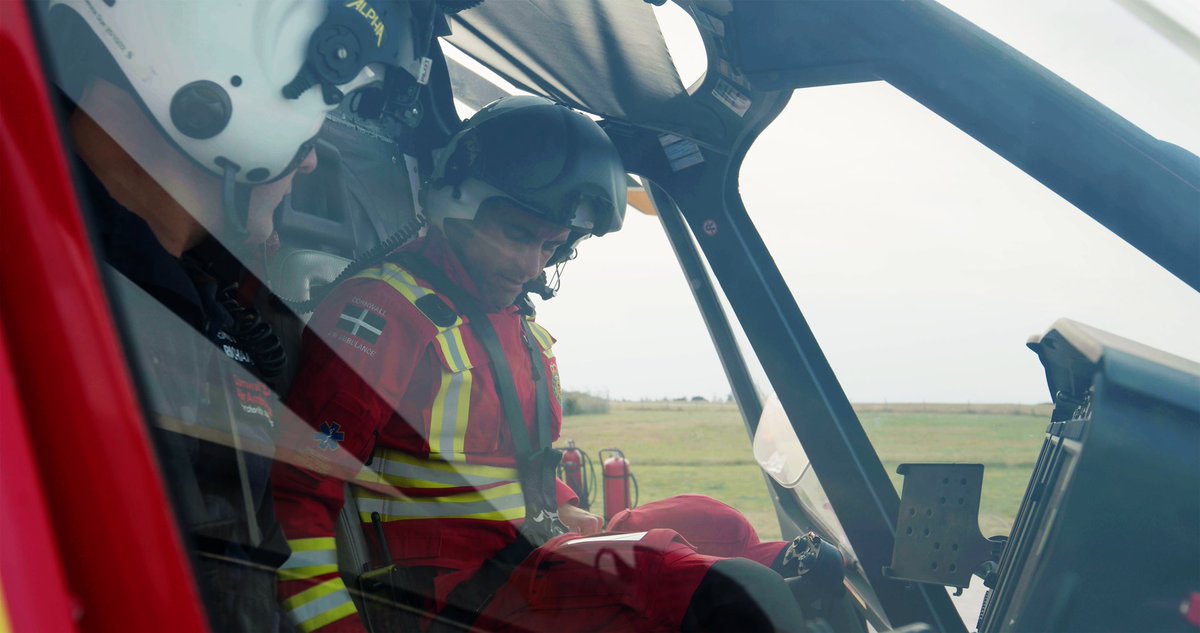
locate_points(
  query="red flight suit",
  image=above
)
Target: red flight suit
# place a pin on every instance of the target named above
(393, 376)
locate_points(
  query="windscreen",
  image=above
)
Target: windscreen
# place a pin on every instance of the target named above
(923, 262)
(782, 457)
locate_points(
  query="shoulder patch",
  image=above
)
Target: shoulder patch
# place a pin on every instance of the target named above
(436, 310)
(361, 322)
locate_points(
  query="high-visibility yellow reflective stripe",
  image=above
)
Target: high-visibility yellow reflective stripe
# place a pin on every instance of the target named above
(543, 338)
(312, 544)
(502, 503)
(451, 406)
(309, 563)
(448, 428)
(397, 278)
(466, 496)
(404, 464)
(448, 417)
(477, 470)
(345, 608)
(401, 470)
(317, 606)
(403, 282)
(455, 351)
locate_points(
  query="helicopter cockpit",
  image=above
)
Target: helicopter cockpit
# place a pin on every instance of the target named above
(1118, 450)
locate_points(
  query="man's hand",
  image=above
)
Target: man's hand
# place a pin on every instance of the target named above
(579, 520)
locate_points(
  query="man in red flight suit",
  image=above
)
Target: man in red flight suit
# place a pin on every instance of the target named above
(421, 367)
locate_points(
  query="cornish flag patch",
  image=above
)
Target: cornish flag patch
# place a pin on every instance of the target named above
(361, 322)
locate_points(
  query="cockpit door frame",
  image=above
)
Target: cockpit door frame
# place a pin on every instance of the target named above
(842, 455)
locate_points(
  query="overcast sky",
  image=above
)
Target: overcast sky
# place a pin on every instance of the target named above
(922, 261)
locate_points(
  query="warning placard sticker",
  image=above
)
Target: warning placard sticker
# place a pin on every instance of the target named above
(731, 97)
(681, 152)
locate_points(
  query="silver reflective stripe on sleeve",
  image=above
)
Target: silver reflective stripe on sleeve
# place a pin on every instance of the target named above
(315, 556)
(310, 559)
(450, 413)
(307, 564)
(498, 504)
(407, 472)
(451, 342)
(317, 606)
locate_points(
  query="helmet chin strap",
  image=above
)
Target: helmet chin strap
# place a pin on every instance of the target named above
(545, 285)
(235, 202)
(554, 282)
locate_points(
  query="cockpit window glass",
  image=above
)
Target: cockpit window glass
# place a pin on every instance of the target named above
(680, 400)
(923, 261)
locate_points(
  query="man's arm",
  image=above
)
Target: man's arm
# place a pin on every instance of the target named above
(314, 459)
(579, 520)
(344, 396)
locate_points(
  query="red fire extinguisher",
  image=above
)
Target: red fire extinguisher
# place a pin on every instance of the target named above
(577, 471)
(617, 481)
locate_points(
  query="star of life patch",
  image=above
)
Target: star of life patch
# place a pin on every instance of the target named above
(330, 436)
(361, 322)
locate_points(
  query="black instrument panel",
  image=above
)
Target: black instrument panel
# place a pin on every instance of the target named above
(1108, 534)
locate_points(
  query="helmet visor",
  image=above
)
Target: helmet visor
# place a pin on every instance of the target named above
(553, 162)
(579, 217)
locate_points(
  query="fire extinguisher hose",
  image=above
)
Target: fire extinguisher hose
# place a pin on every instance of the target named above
(589, 478)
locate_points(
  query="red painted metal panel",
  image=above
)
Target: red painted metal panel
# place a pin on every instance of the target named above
(116, 536)
(31, 576)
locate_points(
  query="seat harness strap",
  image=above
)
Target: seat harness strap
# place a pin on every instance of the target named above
(536, 459)
(536, 463)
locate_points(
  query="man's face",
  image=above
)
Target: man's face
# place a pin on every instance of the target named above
(503, 248)
(260, 216)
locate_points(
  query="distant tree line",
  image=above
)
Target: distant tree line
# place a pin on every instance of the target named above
(589, 403)
(583, 403)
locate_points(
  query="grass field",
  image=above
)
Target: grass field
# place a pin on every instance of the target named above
(680, 447)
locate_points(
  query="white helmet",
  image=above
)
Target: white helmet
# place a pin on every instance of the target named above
(212, 73)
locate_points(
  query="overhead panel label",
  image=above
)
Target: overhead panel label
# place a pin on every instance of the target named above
(731, 97)
(681, 153)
